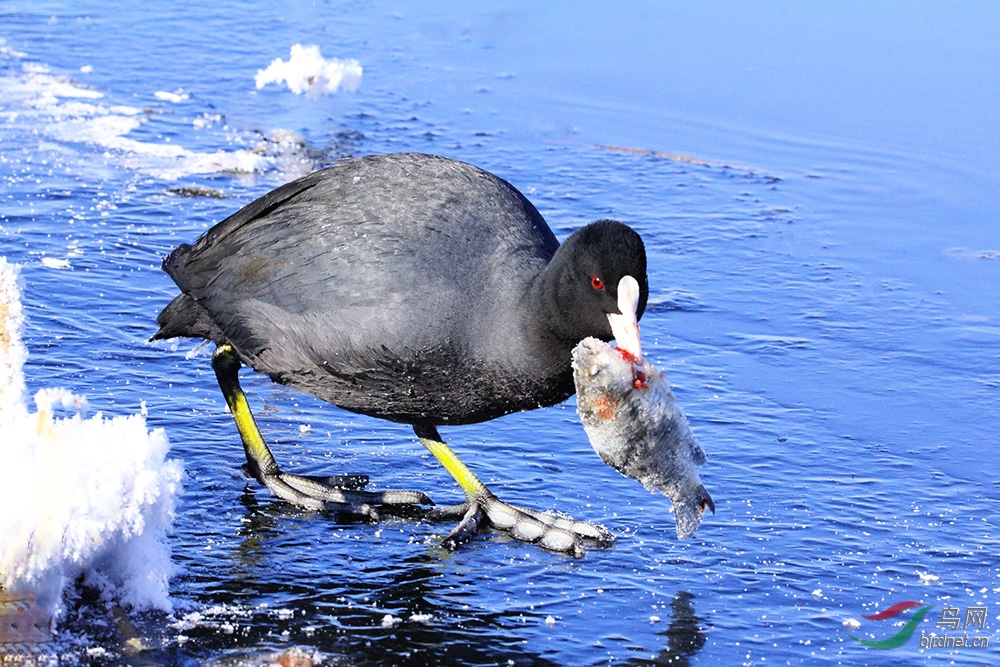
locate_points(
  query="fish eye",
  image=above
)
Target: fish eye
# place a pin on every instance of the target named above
(596, 282)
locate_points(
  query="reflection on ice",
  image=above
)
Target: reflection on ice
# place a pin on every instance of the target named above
(685, 635)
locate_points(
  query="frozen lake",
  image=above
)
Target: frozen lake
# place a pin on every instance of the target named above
(818, 190)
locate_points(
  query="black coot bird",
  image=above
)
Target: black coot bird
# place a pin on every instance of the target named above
(414, 288)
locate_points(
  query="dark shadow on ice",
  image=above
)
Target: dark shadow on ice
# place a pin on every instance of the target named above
(367, 610)
(685, 635)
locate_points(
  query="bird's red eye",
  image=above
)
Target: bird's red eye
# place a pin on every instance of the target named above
(596, 282)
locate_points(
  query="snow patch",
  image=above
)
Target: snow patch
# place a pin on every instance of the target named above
(167, 96)
(85, 496)
(306, 71)
(927, 577)
(55, 263)
(73, 113)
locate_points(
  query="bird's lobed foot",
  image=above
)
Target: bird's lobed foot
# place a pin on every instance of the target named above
(550, 531)
(341, 494)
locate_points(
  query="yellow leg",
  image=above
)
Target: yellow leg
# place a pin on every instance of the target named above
(339, 494)
(259, 458)
(551, 531)
(465, 477)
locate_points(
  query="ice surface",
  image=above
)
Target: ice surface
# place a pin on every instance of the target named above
(8, 51)
(851, 316)
(92, 496)
(73, 113)
(306, 71)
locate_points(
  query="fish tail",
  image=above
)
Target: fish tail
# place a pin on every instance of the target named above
(689, 512)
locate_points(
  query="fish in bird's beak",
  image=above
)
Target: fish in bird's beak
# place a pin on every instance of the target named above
(638, 428)
(624, 324)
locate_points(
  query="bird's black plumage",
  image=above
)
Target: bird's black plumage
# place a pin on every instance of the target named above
(409, 287)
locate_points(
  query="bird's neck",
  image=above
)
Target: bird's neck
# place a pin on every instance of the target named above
(548, 321)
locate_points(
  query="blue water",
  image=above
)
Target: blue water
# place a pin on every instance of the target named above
(823, 298)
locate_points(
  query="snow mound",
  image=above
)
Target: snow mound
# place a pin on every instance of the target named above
(307, 72)
(83, 496)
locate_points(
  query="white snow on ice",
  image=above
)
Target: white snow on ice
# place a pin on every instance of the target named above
(167, 96)
(71, 112)
(55, 263)
(306, 71)
(92, 496)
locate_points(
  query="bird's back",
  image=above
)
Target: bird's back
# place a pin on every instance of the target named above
(383, 284)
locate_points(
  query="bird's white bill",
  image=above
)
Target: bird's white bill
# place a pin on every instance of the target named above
(624, 324)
